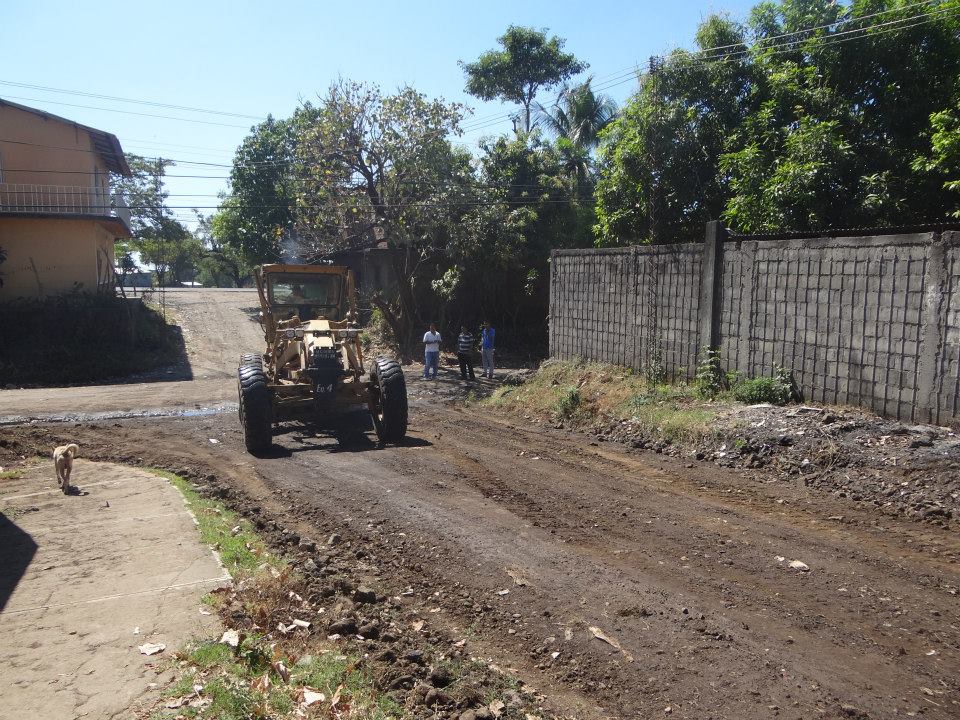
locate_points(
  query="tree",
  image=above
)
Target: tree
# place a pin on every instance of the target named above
(943, 161)
(576, 120)
(125, 263)
(380, 169)
(579, 115)
(774, 125)
(501, 245)
(159, 238)
(173, 251)
(222, 265)
(258, 213)
(527, 63)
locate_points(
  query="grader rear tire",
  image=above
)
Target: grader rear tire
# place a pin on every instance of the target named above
(256, 406)
(390, 414)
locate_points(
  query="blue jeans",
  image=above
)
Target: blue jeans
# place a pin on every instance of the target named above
(430, 360)
(486, 354)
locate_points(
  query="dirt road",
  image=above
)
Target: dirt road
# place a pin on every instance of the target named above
(215, 322)
(622, 584)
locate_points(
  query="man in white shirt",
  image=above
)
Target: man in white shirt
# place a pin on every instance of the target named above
(431, 352)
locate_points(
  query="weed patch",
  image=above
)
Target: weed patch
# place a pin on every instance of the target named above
(776, 390)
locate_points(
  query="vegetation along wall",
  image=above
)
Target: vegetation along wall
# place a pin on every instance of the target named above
(861, 320)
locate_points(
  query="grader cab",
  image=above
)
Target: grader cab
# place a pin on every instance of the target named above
(313, 366)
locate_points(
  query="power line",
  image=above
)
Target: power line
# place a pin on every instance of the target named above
(873, 30)
(115, 98)
(634, 69)
(126, 112)
(707, 55)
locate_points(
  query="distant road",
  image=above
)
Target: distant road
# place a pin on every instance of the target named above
(218, 325)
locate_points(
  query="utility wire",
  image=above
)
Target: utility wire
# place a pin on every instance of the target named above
(126, 112)
(634, 69)
(791, 46)
(114, 98)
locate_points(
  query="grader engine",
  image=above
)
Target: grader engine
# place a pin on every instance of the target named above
(313, 366)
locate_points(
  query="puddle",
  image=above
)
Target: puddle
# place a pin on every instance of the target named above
(118, 415)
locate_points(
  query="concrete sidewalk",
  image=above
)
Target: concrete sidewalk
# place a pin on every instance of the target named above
(86, 579)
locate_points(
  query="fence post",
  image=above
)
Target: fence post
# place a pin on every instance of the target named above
(931, 345)
(552, 307)
(710, 289)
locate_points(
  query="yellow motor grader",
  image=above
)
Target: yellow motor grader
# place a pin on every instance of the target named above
(313, 365)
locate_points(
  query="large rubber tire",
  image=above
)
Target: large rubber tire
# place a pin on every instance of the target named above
(251, 359)
(390, 415)
(256, 407)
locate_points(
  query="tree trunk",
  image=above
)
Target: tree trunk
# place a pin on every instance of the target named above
(397, 325)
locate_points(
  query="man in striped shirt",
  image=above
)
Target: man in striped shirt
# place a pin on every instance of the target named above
(465, 353)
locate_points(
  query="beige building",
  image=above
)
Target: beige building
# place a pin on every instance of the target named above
(58, 217)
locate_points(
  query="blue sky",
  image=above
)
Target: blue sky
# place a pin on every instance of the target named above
(255, 58)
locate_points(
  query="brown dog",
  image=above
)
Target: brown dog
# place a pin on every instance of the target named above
(63, 460)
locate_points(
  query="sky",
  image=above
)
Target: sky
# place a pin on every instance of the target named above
(255, 58)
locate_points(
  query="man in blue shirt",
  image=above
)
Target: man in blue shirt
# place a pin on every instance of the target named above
(486, 349)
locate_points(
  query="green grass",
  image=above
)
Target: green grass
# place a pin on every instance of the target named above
(11, 474)
(581, 393)
(242, 553)
(227, 677)
(673, 411)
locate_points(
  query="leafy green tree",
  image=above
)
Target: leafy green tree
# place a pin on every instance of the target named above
(173, 251)
(576, 120)
(125, 263)
(221, 264)
(144, 193)
(579, 115)
(258, 212)
(526, 206)
(526, 63)
(379, 168)
(773, 125)
(943, 161)
(159, 238)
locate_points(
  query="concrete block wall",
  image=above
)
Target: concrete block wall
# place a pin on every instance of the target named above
(872, 321)
(631, 306)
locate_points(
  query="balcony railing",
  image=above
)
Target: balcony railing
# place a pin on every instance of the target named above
(18, 198)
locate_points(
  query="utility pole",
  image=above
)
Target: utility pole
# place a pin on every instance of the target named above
(158, 184)
(653, 154)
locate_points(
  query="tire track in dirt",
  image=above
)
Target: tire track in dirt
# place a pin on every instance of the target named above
(674, 563)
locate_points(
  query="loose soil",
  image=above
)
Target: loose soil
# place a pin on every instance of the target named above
(617, 581)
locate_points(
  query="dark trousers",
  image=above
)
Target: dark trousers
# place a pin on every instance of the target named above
(466, 365)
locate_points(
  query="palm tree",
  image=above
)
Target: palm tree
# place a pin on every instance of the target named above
(579, 114)
(576, 119)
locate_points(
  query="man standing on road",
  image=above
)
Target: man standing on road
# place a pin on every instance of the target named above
(486, 349)
(465, 353)
(431, 352)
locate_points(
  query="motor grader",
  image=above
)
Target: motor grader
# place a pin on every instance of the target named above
(313, 366)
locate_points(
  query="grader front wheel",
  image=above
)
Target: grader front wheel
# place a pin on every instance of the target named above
(256, 405)
(389, 401)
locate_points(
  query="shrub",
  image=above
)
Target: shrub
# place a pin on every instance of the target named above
(775, 390)
(656, 372)
(568, 402)
(710, 380)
